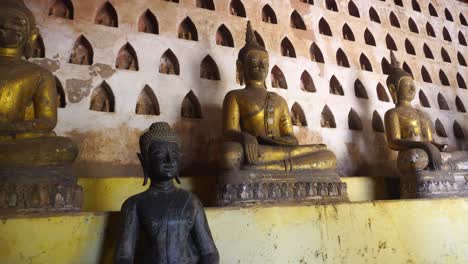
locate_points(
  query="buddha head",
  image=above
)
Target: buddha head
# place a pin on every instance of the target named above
(252, 61)
(160, 153)
(400, 83)
(18, 29)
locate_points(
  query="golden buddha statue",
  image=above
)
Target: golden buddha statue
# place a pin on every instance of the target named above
(28, 106)
(409, 131)
(257, 127)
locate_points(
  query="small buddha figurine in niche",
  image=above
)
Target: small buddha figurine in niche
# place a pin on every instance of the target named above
(258, 132)
(34, 162)
(172, 219)
(409, 131)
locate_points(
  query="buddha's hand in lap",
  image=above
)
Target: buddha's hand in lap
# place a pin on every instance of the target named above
(435, 158)
(250, 148)
(277, 141)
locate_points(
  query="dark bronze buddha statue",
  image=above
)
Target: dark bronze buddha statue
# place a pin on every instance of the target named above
(172, 219)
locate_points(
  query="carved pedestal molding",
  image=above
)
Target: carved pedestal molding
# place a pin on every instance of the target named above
(429, 184)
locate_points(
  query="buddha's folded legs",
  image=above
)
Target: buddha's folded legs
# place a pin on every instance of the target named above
(37, 152)
(307, 157)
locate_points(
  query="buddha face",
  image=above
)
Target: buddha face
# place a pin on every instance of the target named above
(256, 66)
(406, 90)
(14, 29)
(163, 158)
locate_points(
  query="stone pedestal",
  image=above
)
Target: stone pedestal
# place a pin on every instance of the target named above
(253, 187)
(39, 189)
(434, 184)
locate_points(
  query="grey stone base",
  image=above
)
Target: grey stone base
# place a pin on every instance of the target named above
(434, 184)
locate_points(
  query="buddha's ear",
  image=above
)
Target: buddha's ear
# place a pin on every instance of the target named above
(145, 168)
(240, 72)
(392, 89)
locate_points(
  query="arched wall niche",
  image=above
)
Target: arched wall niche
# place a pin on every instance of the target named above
(307, 83)
(206, 4)
(430, 30)
(386, 67)
(236, 8)
(209, 69)
(224, 37)
(169, 64)
(461, 59)
(148, 23)
(107, 16)
(82, 53)
(38, 48)
(459, 104)
(348, 33)
(377, 123)
(268, 15)
(440, 130)
(354, 121)
(425, 75)
(394, 20)
(296, 21)
(277, 78)
(415, 5)
(259, 39)
(353, 9)
(62, 9)
(61, 98)
(432, 10)
(443, 78)
(446, 35)
(147, 103)
(127, 58)
(390, 43)
(409, 47)
(445, 56)
(365, 63)
(360, 90)
(423, 99)
(374, 16)
(448, 15)
(413, 27)
(331, 5)
(187, 30)
(298, 117)
(382, 93)
(316, 54)
(335, 86)
(460, 81)
(324, 28)
(191, 107)
(327, 118)
(102, 99)
(369, 38)
(458, 130)
(287, 48)
(442, 102)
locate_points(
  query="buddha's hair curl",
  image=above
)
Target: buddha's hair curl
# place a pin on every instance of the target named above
(251, 43)
(158, 132)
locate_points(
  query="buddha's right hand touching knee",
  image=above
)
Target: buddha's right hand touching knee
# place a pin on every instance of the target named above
(250, 148)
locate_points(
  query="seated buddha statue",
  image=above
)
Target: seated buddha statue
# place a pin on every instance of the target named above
(28, 97)
(409, 131)
(257, 126)
(173, 220)
(261, 159)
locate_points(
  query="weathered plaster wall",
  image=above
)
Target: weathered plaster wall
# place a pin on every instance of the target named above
(108, 141)
(416, 231)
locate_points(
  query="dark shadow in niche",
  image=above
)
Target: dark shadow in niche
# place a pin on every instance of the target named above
(310, 2)
(63, 9)
(446, 35)
(430, 30)
(460, 106)
(458, 131)
(224, 37)
(102, 99)
(360, 90)
(374, 16)
(206, 4)
(107, 16)
(354, 121)
(461, 59)
(173, 1)
(390, 43)
(209, 69)
(381, 93)
(460, 81)
(443, 78)
(187, 30)
(425, 75)
(297, 21)
(341, 59)
(432, 10)
(377, 123)
(398, 3)
(169, 64)
(335, 86)
(423, 99)
(316, 54)
(445, 56)
(394, 20)
(463, 20)
(236, 8)
(440, 130)
(277, 78)
(268, 15)
(331, 5)
(348, 33)
(427, 52)
(369, 38)
(416, 6)
(259, 39)
(147, 103)
(353, 9)
(307, 83)
(61, 100)
(407, 69)
(448, 15)
(365, 63)
(409, 47)
(327, 119)
(324, 28)
(287, 48)
(38, 48)
(127, 58)
(298, 117)
(386, 67)
(442, 102)
(148, 23)
(412, 26)
(461, 39)
(191, 107)
(82, 53)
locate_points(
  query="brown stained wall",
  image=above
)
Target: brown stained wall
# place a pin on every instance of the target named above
(108, 141)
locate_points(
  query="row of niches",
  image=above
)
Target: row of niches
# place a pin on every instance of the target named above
(107, 14)
(103, 100)
(127, 59)
(148, 23)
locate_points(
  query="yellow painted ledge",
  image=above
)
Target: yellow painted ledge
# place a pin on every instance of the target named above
(400, 231)
(108, 194)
